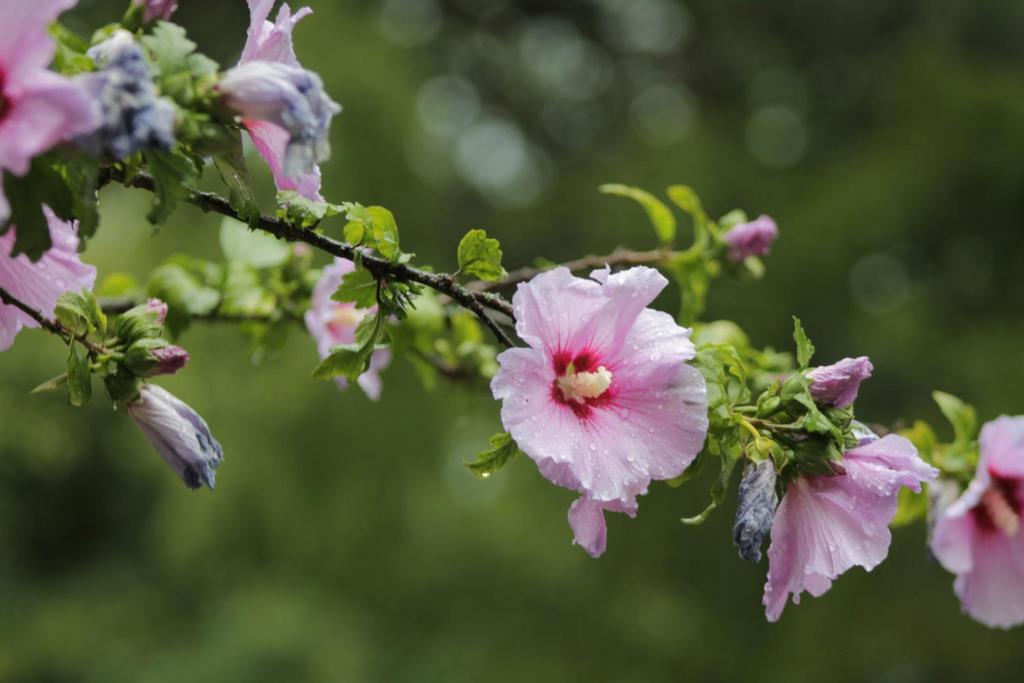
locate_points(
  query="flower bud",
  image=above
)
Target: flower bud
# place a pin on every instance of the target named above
(133, 116)
(756, 509)
(150, 357)
(837, 384)
(287, 96)
(159, 308)
(179, 435)
(145, 321)
(751, 239)
(154, 10)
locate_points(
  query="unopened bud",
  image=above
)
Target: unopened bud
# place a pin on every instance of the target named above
(756, 509)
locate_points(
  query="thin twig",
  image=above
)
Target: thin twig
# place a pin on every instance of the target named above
(474, 301)
(52, 326)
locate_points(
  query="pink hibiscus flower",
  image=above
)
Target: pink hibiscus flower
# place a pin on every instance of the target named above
(838, 384)
(979, 537)
(272, 42)
(602, 398)
(40, 284)
(38, 108)
(333, 322)
(826, 525)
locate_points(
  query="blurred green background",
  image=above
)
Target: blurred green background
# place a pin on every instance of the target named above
(346, 542)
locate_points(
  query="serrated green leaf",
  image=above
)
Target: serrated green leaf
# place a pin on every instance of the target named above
(503, 449)
(661, 217)
(26, 195)
(304, 212)
(728, 450)
(174, 175)
(348, 361)
(230, 164)
(961, 415)
(384, 231)
(804, 347)
(480, 256)
(358, 287)
(79, 381)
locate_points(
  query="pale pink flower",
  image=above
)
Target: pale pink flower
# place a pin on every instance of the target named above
(602, 398)
(40, 284)
(38, 108)
(838, 384)
(979, 537)
(332, 323)
(826, 525)
(272, 42)
(751, 239)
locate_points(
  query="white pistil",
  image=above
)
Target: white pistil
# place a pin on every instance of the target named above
(1000, 511)
(579, 386)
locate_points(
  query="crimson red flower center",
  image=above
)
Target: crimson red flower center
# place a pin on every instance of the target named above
(1000, 507)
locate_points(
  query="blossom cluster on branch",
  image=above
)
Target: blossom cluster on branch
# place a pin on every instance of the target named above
(604, 393)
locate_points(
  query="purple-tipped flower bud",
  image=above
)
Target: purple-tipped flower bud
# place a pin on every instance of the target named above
(133, 116)
(837, 384)
(287, 96)
(148, 357)
(159, 308)
(170, 359)
(751, 239)
(756, 509)
(156, 9)
(179, 435)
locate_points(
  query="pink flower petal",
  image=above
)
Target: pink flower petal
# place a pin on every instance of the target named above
(40, 284)
(827, 525)
(1002, 447)
(43, 111)
(325, 328)
(586, 517)
(25, 43)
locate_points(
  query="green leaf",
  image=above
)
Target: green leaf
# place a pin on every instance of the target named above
(660, 215)
(185, 285)
(804, 347)
(244, 294)
(352, 360)
(79, 381)
(174, 175)
(358, 287)
(304, 212)
(43, 184)
(480, 256)
(503, 448)
(961, 415)
(257, 249)
(685, 197)
(80, 313)
(52, 384)
(80, 172)
(178, 66)
(230, 164)
(69, 57)
(729, 451)
(384, 232)
(348, 360)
